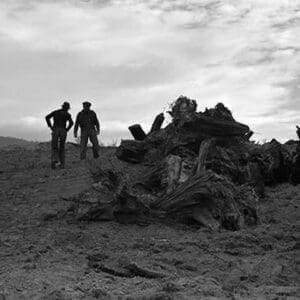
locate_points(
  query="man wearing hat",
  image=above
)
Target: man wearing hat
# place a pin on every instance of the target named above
(89, 126)
(59, 133)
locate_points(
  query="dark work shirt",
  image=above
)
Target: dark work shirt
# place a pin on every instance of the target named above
(87, 120)
(60, 117)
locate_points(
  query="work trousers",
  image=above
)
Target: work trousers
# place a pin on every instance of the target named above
(85, 136)
(59, 136)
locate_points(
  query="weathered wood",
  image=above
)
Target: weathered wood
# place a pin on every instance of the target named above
(248, 135)
(165, 175)
(158, 121)
(214, 127)
(173, 171)
(208, 187)
(131, 151)
(137, 132)
(203, 187)
(187, 130)
(183, 108)
(204, 216)
(137, 270)
(207, 196)
(131, 270)
(204, 150)
(210, 199)
(128, 209)
(101, 267)
(116, 201)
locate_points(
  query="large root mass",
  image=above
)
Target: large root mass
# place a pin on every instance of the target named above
(202, 166)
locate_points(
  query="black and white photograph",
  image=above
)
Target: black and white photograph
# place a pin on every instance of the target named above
(149, 149)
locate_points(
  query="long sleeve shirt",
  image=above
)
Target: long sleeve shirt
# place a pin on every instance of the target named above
(87, 120)
(60, 118)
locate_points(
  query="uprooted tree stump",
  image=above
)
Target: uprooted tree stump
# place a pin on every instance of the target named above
(194, 193)
(201, 166)
(209, 199)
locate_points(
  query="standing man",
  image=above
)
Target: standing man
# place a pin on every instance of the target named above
(59, 133)
(90, 128)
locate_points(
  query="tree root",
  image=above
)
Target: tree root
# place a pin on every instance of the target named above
(131, 270)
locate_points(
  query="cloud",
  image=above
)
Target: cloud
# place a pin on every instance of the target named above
(132, 57)
(31, 121)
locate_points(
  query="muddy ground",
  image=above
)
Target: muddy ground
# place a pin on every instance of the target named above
(45, 253)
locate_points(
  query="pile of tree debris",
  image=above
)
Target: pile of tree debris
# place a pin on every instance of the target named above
(202, 167)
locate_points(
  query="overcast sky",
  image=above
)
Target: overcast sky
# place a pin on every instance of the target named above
(131, 58)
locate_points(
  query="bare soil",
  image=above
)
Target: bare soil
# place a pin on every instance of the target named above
(45, 253)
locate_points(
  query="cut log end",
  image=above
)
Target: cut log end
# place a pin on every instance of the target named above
(137, 132)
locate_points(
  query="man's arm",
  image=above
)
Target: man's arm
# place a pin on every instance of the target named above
(70, 121)
(97, 124)
(76, 126)
(48, 120)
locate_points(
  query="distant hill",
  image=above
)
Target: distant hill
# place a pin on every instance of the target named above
(11, 141)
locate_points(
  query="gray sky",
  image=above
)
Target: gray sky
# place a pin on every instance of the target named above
(131, 58)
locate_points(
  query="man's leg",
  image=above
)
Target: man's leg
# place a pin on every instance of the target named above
(95, 143)
(54, 148)
(83, 144)
(62, 141)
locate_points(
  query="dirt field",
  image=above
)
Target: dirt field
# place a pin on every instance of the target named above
(46, 254)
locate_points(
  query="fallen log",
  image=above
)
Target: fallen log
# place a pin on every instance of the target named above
(217, 121)
(214, 127)
(137, 132)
